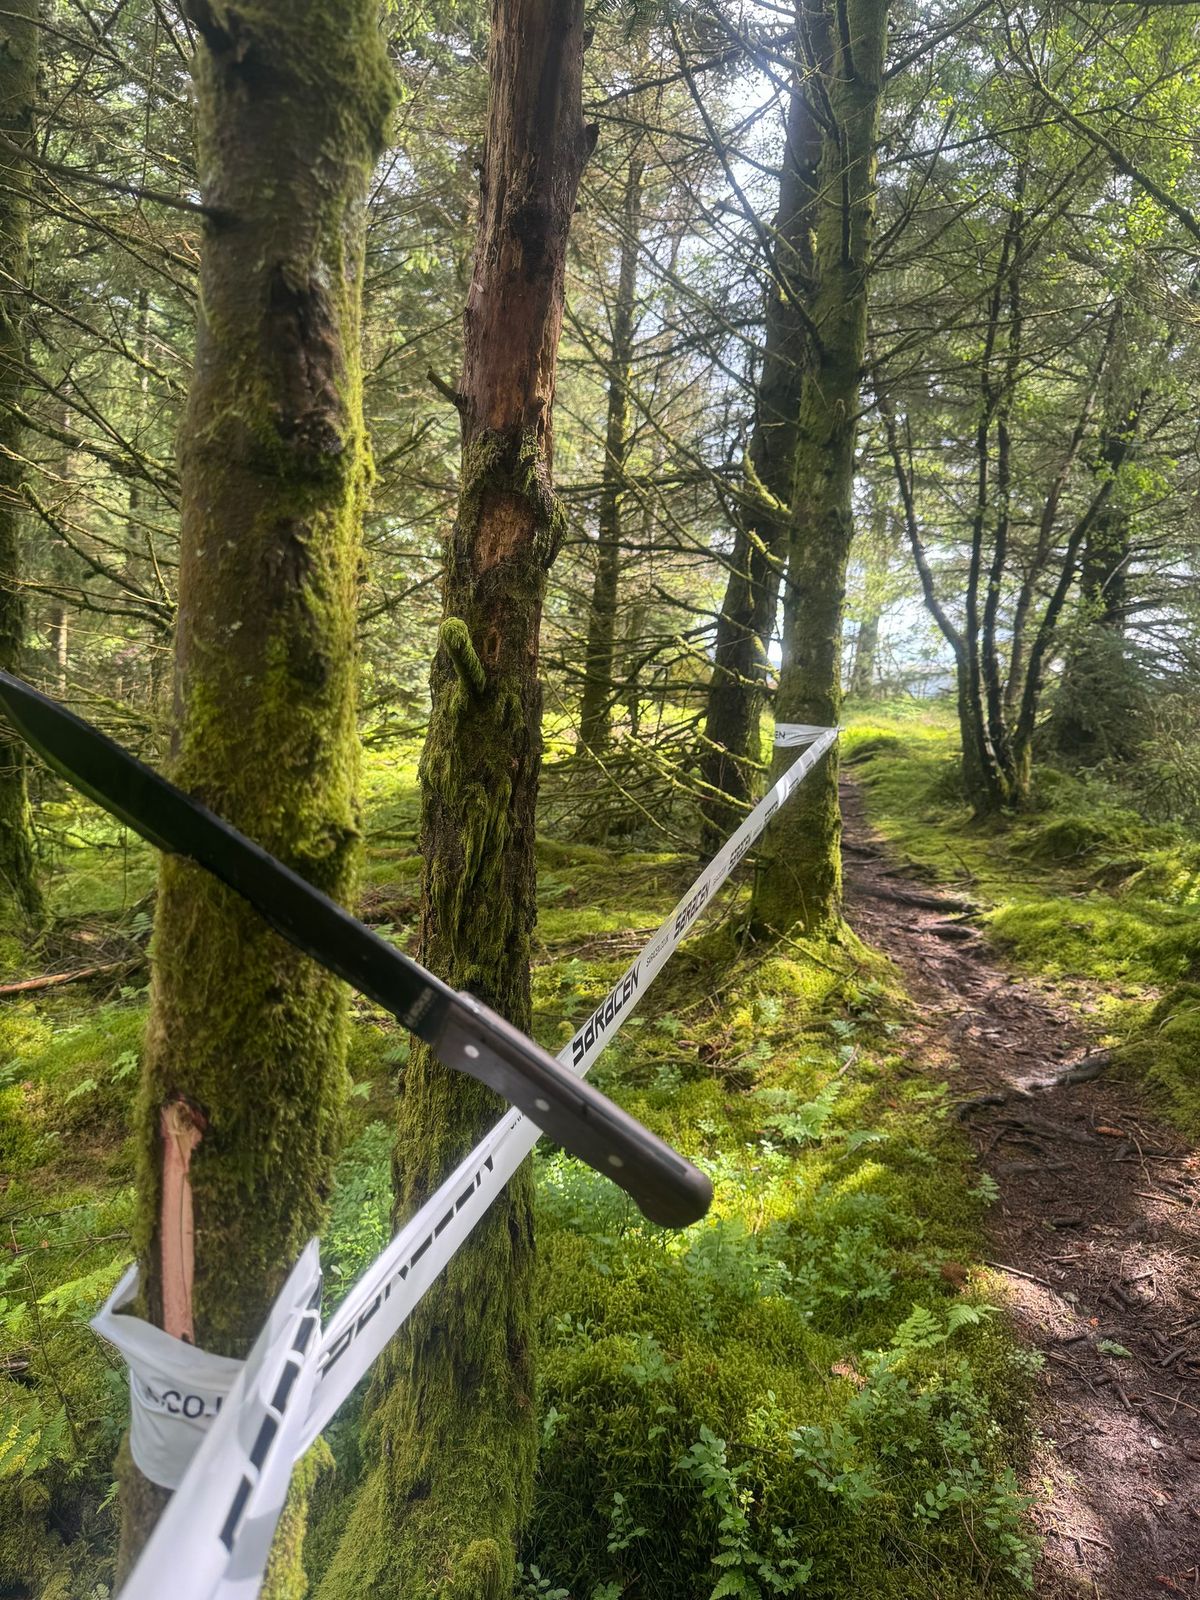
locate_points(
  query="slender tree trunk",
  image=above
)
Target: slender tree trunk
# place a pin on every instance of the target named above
(19, 893)
(800, 876)
(731, 756)
(452, 1409)
(954, 637)
(990, 672)
(244, 1057)
(1095, 688)
(1039, 654)
(595, 714)
(60, 646)
(862, 678)
(980, 694)
(1042, 550)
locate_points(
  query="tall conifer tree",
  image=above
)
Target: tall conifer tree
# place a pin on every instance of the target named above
(441, 1506)
(245, 1055)
(18, 85)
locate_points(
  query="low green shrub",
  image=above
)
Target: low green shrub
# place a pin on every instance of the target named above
(748, 1454)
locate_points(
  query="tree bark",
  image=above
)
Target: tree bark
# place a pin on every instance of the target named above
(245, 1050)
(20, 898)
(595, 712)
(799, 880)
(452, 1417)
(1096, 688)
(731, 758)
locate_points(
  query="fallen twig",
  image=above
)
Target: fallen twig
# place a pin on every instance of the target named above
(1175, 1400)
(54, 980)
(999, 1266)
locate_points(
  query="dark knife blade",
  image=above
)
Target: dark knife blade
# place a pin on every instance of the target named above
(462, 1032)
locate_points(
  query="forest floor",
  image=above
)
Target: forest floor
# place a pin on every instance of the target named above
(1095, 1233)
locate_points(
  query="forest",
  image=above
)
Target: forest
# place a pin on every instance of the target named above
(678, 519)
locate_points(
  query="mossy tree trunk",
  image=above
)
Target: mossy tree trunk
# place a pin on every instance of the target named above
(245, 1054)
(452, 1423)
(1098, 692)
(730, 761)
(800, 876)
(19, 894)
(595, 712)
(1100, 521)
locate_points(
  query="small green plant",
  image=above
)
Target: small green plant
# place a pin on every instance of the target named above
(360, 1206)
(650, 1365)
(31, 1440)
(800, 1122)
(622, 1529)
(124, 1066)
(746, 1571)
(533, 1585)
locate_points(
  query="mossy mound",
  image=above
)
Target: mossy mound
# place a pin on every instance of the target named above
(862, 749)
(699, 1424)
(1172, 875)
(1076, 839)
(1166, 1051)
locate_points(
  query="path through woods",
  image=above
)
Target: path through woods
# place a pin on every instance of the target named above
(1096, 1232)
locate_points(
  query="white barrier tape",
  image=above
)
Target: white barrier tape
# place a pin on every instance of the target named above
(790, 734)
(175, 1390)
(215, 1538)
(385, 1295)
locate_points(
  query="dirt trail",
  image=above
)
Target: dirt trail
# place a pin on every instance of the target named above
(1096, 1232)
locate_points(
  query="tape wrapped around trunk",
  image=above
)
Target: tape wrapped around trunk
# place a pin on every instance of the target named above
(175, 1390)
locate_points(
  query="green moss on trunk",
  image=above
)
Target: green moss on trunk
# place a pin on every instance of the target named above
(800, 878)
(19, 894)
(451, 1422)
(292, 100)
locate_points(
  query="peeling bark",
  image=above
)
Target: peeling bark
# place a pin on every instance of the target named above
(451, 1419)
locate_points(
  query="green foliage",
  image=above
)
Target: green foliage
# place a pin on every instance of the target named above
(744, 1570)
(674, 1369)
(909, 1423)
(532, 1585)
(1102, 704)
(30, 1440)
(359, 1222)
(799, 1124)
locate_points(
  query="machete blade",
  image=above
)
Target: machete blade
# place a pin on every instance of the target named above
(464, 1033)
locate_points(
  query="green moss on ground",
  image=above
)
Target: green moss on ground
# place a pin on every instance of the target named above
(1080, 890)
(812, 1358)
(754, 1399)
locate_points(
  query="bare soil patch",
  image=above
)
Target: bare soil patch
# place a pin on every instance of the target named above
(1096, 1233)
